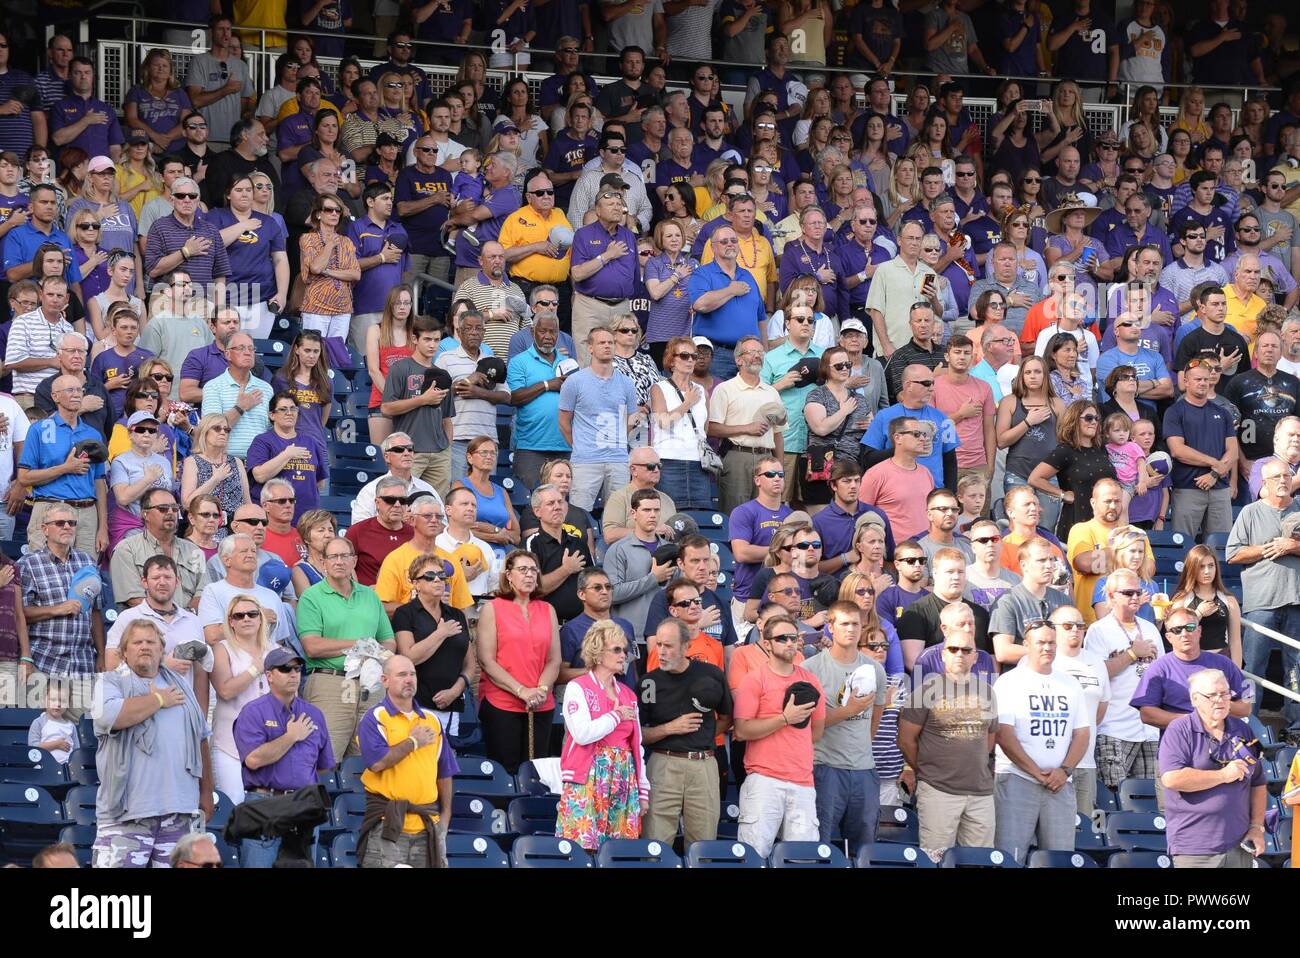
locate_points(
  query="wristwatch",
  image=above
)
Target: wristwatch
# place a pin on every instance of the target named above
(1067, 770)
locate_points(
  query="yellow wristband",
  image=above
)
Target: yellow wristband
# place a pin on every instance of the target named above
(162, 703)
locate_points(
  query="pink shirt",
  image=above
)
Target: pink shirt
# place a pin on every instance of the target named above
(900, 494)
(948, 398)
(787, 753)
(522, 648)
(1125, 458)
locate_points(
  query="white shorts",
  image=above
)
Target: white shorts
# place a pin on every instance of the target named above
(770, 807)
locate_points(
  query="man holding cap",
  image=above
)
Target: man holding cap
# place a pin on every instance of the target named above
(727, 300)
(604, 269)
(531, 253)
(282, 743)
(780, 712)
(791, 369)
(746, 413)
(476, 396)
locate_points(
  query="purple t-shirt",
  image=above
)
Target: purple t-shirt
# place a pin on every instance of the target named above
(1146, 507)
(264, 720)
(161, 114)
(671, 315)
(302, 474)
(94, 282)
(371, 292)
(109, 364)
(204, 364)
(1164, 683)
(250, 255)
(424, 228)
(309, 405)
(567, 154)
(9, 205)
(502, 203)
(893, 602)
(295, 130)
(330, 19)
(1213, 820)
(754, 523)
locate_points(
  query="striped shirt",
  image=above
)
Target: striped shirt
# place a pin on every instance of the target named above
(52, 87)
(61, 645)
(168, 234)
(16, 130)
(325, 294)
(219, 396)
(486, 298)
(33, 337)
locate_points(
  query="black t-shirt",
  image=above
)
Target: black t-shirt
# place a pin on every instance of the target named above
(1202, 339)
(700, 688)
(1263, 401)
(1076, 471)
(811, 591)
(550, 553)
(440, 670)
(577, 520)
(921, 622)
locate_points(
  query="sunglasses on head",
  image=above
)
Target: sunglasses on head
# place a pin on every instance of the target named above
(1039, 623)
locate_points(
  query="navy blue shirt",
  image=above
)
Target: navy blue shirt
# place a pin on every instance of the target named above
(724, 631)
(1076, 58)
(424, 228)
(1206, 429)
(575, 630)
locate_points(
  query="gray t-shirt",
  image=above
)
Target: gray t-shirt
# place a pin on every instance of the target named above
(211, 73)
(689, 32)
(960, 543)
(951, 57)
(158, 784)
(424, 424)
(634, 29)
(1013, 609)
(1271, 223)
(129, 468)
(848, 743)
(1268, 583)
(747, 46)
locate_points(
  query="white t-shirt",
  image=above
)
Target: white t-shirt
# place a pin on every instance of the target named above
(1106, 637)
(17, 432)
(1045, 711)
(1289, 366)
(1090, 672)
(485, 581)
(184, 627)
(1089, 351)
(823, 329)
(216, 596)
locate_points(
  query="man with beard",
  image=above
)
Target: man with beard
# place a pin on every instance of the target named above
(249, 146)
(1265, 395)
(158, 537)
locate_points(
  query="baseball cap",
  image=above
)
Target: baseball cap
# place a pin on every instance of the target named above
(682, 525)
(139, 417)
(807, 371)
(493, 369)
(137, 136)
(703, 342)
(774, 412)
(614, 180)
(273, 575)
(507, 128)
(387, 139)
(802, 693)
(279, 656)
(99, 164)
(566, 366)
(852, 326)
(85, 586)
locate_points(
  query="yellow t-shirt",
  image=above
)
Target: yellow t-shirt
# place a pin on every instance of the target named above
(1085, 536)
(525, 226)
(290, 107)
(128, 179)
(755, 255)
(268, 14)
(394, 582)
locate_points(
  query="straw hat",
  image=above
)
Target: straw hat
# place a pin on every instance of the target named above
(1069, 203)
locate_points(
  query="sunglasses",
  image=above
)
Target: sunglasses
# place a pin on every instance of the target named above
(1089, 417)
(915, 434)
(431, 576)
(788, 590)
(287, 669)
(1186, 628)
(785, 637)
(146, 430)
(401, 448)
(878, 646)
(960, 649)
(911, 560)
(628, 329)
(773, 474)
(240, 616)
(283, 501)
(1032, 179)
(61, 523)
(600, 587)
(616, 149)
(392, 500)
(185, 196)
(394, 86)
(255, 521)
(1072, 626)
(162, 377)
(207, 515)
(690, 356)
(985, 540)
(1129, 593)
(541, 192)
(841, 367)
(545, 304)
(652, 466)
(89, 226)
(927, 383)
(813, 544)
(425, 149)
(219, 429)
(197, 126)
(1032, 624)
(687, 603)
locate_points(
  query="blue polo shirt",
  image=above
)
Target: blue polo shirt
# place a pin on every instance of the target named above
(1148, 363)
(617, 278)
(776, 364)
(877, 435)
(739, 316)
(48, 443)
(371, 291)
(95, 139)
(22, 242)
(537, 424)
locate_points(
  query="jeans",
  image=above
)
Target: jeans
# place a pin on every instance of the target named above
(683, 481)
(253, 852)
(7, 526)
(724, 362)
(459, 451)
(848, 805)
(1255, 649)
(1049, 507)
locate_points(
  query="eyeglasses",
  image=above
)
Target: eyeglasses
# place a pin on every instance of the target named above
(1215, 696)
(431, 576)
(687, 603)
(960, 649)
(911, 560)
(541, 192)
(61, 523)
(785, 637)
(690, 356)
(1186, 628)
(1089, 417)
(185, 196)
(255, 521)
(920, 434)
(242, 616)
(340, 557)
(282, 501)
(945, 509)
(207, 515)
(287, 669)
(811, 544)
(1032, 179)
(599, 587)
(773, 474)
(224, 429)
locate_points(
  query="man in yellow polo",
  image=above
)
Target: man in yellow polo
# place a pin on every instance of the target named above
(1244, 303)
(530, 255)
(393, 585)
(407, 781)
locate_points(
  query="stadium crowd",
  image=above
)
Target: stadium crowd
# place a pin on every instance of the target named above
(809, 452)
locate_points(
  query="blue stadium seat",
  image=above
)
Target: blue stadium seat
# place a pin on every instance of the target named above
(80, 837)
(343, 851)
(330, 779)
(469, 737)
(723, 854)
(890, 855)
(350, 773)
(636, 853)
(1140, 860)
(49, 774)
(20, 719)
(229, 853)
(79, 804)
(1138, 795)
(1041, 858)
(486, 777)
(529, 782)
(13, 737)
(961, 857)
(30, 819)
(547, 851)
(82, 768)
(710, 520)
(358, 452)
(471, 815)
(222, 807)
(729, 821)
(533, 815)
(1218, 541)
(349, 809)
(474, 851)
(807, 855)
(1166, 538)
(899, 826)
(1136, 831)
(1106, 799)
(726, 561)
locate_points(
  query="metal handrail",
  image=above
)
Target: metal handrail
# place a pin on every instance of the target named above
(1276, 637)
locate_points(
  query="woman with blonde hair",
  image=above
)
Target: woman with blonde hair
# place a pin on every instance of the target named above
(1191, 116)
(778, 561)
(1070, 129)
(1201, 589)
(264, 198)
(156, 104)
(903, 192)
(237, 677)
(666, 275)
(606, 789)
(1128, 548)
(387, 341)
(861, 591)
(210, 470)
(120, 293)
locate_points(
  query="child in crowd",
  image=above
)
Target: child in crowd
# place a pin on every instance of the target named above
(1128, 458)
(468, 184)
(53, 730)
(1148, 508)
(973, 495)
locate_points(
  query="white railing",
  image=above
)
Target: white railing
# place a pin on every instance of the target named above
(1282, 640)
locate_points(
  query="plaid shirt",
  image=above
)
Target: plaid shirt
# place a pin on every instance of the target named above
(62, 645)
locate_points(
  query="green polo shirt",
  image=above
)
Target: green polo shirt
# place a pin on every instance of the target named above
(322, 611)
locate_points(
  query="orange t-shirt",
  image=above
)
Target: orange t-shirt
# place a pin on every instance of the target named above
(703, 648)
(1009, 557)
(787, 753)
(1041, 315)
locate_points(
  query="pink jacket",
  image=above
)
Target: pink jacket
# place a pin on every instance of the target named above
(589, 717)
